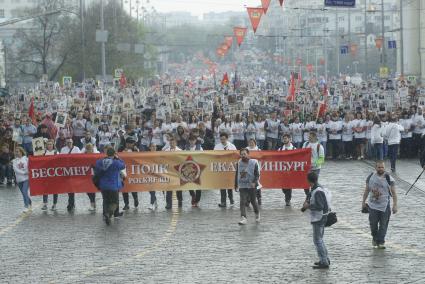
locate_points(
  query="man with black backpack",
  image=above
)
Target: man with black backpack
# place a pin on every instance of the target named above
(379, 188)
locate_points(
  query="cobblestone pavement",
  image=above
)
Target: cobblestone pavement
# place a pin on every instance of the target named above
(206, 245)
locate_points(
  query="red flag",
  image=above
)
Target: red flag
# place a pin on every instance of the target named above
(255, 15)
(281, 3)
(123, 81)
(239, 34)
(225, 80)
(322, 104)
(291, 96)
(265, 4)
(228, 40)
(31, 113)
(220, 52)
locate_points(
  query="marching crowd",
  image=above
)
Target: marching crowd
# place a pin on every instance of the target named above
(338, 134)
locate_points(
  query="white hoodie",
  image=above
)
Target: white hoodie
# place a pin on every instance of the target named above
(392, 133)
(20, 166)
(376, 134)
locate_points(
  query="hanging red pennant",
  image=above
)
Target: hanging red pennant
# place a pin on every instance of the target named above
(281, 3)
(265, 4)
(228, 40)
(353, 49)
(239, 34)
(309, 68)
(220, 52)
(255, 15)
(291, 95)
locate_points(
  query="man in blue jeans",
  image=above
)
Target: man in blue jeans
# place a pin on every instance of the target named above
(319, 205)
(379, 188)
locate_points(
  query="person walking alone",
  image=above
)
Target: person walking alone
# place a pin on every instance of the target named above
(110, 182)
(319, 205)
(380, 187)
(246, 180)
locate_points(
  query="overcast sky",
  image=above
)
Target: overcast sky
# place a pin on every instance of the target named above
(199, 7)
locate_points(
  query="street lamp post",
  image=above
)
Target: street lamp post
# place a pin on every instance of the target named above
(102, 46)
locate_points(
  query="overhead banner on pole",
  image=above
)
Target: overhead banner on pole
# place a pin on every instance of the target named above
(239, 34)
(158, 171)
(341, 3)
(255, 15)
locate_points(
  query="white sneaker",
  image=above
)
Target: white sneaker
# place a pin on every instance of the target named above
(92, 208)
(26, 210)
(44, 208)
(243, 221)
(153, 206)
(53, 207)
(257, 217)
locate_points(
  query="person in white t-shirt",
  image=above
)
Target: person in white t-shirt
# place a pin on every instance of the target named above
(225, 145)
(347, 136)
(287, 146)
(66, 150)
(297, 132)
(238, 132)
(359, 128)
(406, 143)
(169, 195)
(260, 136)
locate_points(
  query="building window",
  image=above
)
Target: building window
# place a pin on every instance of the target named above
(1, 13)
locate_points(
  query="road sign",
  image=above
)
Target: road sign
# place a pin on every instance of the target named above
(392, 44)
(341, 3)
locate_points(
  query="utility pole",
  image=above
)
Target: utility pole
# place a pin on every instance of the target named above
(401, 40)
(102, 46)
(338, 48)
(365, 40)
(384, 55)
(83, 49)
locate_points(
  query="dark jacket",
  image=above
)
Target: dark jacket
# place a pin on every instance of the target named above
(109, 170)
(5, 158)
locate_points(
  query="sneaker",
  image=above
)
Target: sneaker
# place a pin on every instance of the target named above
(288, 203)
(120, 214)
(321, 266)
(318, 262)
(232, 202)
(222, 205)
(243, 221)
(53, 207)
(168, 207)
(107, 220)
(195, 205)
(153, 206)
(44, 208)
(374, 244)
(92, 208)
(180, 203)
(257, 217)
(136, 203)
(381, 246)
(70, 208)
(126, 207)
(26, 210)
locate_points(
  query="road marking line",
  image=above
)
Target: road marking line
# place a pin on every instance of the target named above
(19, 220)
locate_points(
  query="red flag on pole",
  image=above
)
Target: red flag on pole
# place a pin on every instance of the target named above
(322, 104)
(31, 113)
(239, 34)
(265, 4)
(229, 41)
(255, 15)
(225, 80)
(291, 96)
